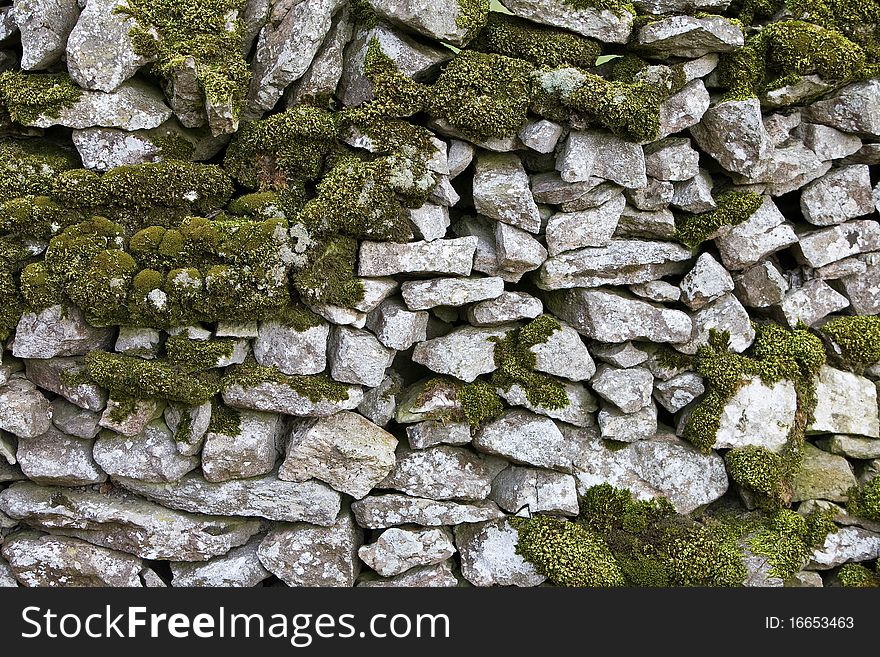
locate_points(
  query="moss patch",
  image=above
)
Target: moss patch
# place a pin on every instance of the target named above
(733, 208)
(316, 387)
(864, 501)
(479, 403)
(855, 575)
(27, 96)
(761, 472)
(858, 338)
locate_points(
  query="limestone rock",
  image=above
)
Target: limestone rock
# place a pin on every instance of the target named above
(452, 256)
(324, 72)
(829, 143)
(440, 20)
(130, 417)
(822, 476)
(489, 557)
(724, 314)
(398, 550)
(526, 438)
(602, 24)
(686, 36)
(73, 420)
(249, 451)
(380, 403)
(596, 153)
(136, 341)
(281, 398)
(852, 447)
(672, 158)
(761, 285)
(57, 331)
(707, 281)
(465, 353)
(684, 109)
(844, 545)
(422, 295)
(44, 26)
(56, 459)
(380, 511)
(421, 576)
(733, 133)
(65, 377)
(239, 567)
(841, 194)
(749, 242)
(810, 303)
(429, 433)
(24, 411)
(758, 414)
(628, 389)
(291, 350)
(150, 456)
(527, 491)
(616, 425)
(567, 231)
(854, 108)
(821, 247)
(579, 411)
(189, 424)
(846, 403)
(510, 306)
(502, 192)
(679, 391)
(564, 354)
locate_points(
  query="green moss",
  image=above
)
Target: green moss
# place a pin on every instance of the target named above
(789, 539)
(328, 276)
(472, 16)
(699, 558)
(173, 146)
(123, 407)
(208, 31)
(567, 553)
(38, 217)
(732, 208)
(30, 166)
(761, 472)
(515, 362)
(855, 575)
(224, 420)
(299, 318)
(479, 403)
(752, 9)
(857, 20)
(38, 288)
(260, 204)
(362, 13)
(543, 46)
(858, 338)
(864, 501)
(617, 6)
(197, 355)
(11, 305)
(27, 96)
(132, 376)
(316, 388)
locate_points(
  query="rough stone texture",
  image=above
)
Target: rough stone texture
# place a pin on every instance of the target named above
(841, 194)
(685, 36)
(501, 191)
(453, 256)
(56, 459)
(526, 491)
(508, 307)
(398, 550)
(684, 109)
(758, 414)
(723, 314)
(422, 295)
(345, 450)
(526, 438)
(239, 567)
(266, 497)
(846, 403)
(761, 285)
(602, 24)
(822, 476)
(24, 411)
(489, 557)
(628, 389)
(151, 455)
(679, 391)
(845, 545)
(855, 108)
(380, 511)
(130, 419)
(465, 353)
(854, 447)
(44, 26)
(443, 473)
(58, 331)
(290, 350)
(821, 247)
(616, 425)
(281, 398)
(733, 133)
(430, 433)
(596, 153)
(356, 356)
(249, 452)
(707, 281)
(422, 576)
(765, 232)
(809, 303)
(439, 20)
(305, 555)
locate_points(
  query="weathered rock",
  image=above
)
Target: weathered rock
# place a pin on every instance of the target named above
(102, 149)
(465, 353)
(441, 20)
(758, 414)
(749, 242)
(130, 417)
(526, 438)
(137, 341)
(733, 133)
(564, 354)
(73, 420)
(659, 291)
(517, 252)
(44, 26)
(60, 561)
(132, 106)
(841, 194)
(306, 555)
(24, 411)
(656, 196)
(125, 522)
(398, 550)
(459, 156)
(489, 556)
(246, 450)
(616, 425)
(57, 331)
(628, 389)
(151, 455)
(679, 391)
(380, 403)
(443, 473)
(694, 195)
(266, 497)
(846, 403)
(788, 169)
(684, 109)
(541, 136)
(100, 52)
(648, 225)
(593, 227)
(672, 159)
(761, 285)
(281, 398)
(846, 544)
(380, 511)
(291, 349)
(421, 576)
(851, 446)
(686, 36)
(189, 424)
(724, 314)
(396, 327)
(821, 247)
(603, 24)
(239, 567)
(453, 256)
(501, 191)
(7, 580)
(855, 108)
(600, 154)
(527, 491)
(621, 262)
(863, 288)
(579, 411)
(508, 307)
(285, 49)
(430, 221)
(811, 302)
(422, 295)
(345, 450)
(356, 356)
(829, 143)
(619, 355)
(822, 476)
(324, 72)
(431, 432)
(609, 316)
(707, 281)
(56, 459)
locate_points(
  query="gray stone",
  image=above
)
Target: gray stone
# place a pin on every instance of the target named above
(339, 315)
(380, 403)
(549, 187)
(679, 391)
(593, 227)
(517, 251)
(150, 456)
(125, 522)
(842, 193)
(788, 169)
(73, 420)
(440, 20)
(56, 459)
(39, 560)
(395, 326)
(398, 550)
(758, 567)
(422, 295)
(579, 411)
(489, 556)
(609, 316)
(266, 497)
(237, 330)
(103, 149)
(452, 256)
(621, 262)
(427, 434)
(137, 341)
(132, 106)
(422, 576)
(694, 195)
(804, 579)
(189, 424)
(24, 411)
(356, 356)
(527, 491)
(100, 52)
(429, 399)
(847, 544)
(805, 88)
(707, 281)
(239, 567)
(656, 196)
(376, 290)
(323, 75)
(854, 108)
(659, 291)
(248, 452)
(684, 109)
(130, 417)
(501, 191)
(810, 302)
(829, 143)
(628, 389)
(619, 355)
(430, 221)
(465, 353)
(345, 450)
(564, 354)
(508, 307)
(758, 414)
(672, 159)
(780, 125)
(306, 555)
(459, 156)
(648, 225)
(526, 438)
(616, 425)
(822, 476)
(751, 241)
(600, 154)
(853, 447)
(7, 580)
(44, 26)
(863, 289)
(686, 36)
(846, 403)
(57, 331)
(541, 136)
(391, 510)
(733, 133)
(602, 24)
(291, 350)
(443, 473)
(867, 154)
(286, 47)
(724, 314)
(761, 285)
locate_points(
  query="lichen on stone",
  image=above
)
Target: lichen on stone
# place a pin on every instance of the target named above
(317, 387)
